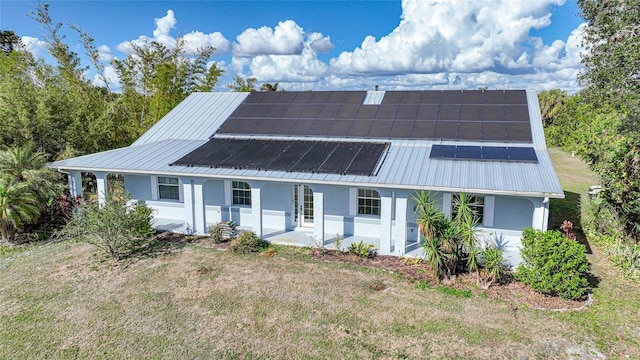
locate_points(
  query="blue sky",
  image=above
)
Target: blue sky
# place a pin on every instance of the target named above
(323, 45)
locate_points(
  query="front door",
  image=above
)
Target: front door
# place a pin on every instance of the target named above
(302, 206)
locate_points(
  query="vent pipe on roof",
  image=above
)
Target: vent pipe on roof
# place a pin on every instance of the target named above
(377, 87)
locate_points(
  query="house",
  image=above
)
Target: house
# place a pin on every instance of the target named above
(295, 167)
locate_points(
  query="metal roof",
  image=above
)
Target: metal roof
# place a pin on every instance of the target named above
(195, 118)
(407, 164)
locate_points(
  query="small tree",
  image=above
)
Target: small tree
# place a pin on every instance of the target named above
(553, 264)
(118, 229)
(18, 206)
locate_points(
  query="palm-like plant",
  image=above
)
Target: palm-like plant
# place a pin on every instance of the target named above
(428, 215)
(18, 206)
(466, 217)
(21, 164)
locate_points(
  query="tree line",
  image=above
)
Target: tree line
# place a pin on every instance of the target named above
(601, 123)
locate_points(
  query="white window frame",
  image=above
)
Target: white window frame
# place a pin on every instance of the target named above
(374, 206)
(236, 190)
(155, 187)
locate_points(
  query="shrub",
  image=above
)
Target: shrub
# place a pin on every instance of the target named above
(493, 261)
(362, 250)
(553, 264)
(118, 229)
(215, 232)
(247, 242)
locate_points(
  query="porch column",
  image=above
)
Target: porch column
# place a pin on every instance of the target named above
(101, 182)
(75, 183)
(318, 214)
(256, 210)
(541, 215)
(446, 204)
(188, 203)
(385, 224)
(401, 226)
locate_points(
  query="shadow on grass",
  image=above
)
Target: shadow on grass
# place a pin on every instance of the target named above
(568, 208)
(163, 243)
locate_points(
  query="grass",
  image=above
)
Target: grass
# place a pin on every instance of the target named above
(59, 301)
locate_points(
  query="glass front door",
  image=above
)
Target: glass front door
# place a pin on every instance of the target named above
(302, 206)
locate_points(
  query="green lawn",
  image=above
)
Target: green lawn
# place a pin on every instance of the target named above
(60, 300)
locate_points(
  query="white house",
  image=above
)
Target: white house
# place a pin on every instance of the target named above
(297, 166)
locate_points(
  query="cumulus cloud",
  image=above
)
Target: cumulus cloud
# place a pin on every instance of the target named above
(473, 42)
(286, 39)
(34, 45)
(194, 40)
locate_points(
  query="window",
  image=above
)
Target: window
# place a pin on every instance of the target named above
(368, 202)
(241, 193)
(476, 203)
(168, 188)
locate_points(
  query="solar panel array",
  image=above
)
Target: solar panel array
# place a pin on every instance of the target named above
(329, 157)
(483, 153)
(490, 115)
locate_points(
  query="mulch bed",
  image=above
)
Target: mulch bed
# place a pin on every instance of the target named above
(514, 292)
(517, 294)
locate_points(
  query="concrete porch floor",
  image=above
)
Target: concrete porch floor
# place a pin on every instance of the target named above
(298, 237)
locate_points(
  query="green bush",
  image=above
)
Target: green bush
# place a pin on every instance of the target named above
(553, 264)
(493, 262)
(362, 250)
(247, 242)
(118, 229)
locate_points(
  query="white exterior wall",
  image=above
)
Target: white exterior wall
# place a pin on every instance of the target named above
(505, 217)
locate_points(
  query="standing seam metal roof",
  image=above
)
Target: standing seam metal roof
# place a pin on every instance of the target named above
(407, 164)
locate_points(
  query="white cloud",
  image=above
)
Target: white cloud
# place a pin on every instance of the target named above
(451, 36)
(320, 43)
(35, 46)
(104, 53)
(293, 68)
(194, 40)
(286, 39)
(111, 77)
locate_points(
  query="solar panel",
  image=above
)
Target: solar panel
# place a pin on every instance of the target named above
(339, 127)
(424, 130)
(319, 127)
(427, 112)
(443, 152)
(431, 97)
(449, 112)
(387, 112)
(518, 113)
(493, 97)
(522, 154)
(407, 112)
(518, 132)
(451, 97)
(411, 97)
(493, 131)
(403, 129)
(493, 113)
(380, 129)
(495, 153)
(483, 153)
(348, 111)
(471, 113)
(503, 115)
(470, 130)
(515, 97)
(329, 111)
(468, 152)
(447, 130)
(367, 112)
(350, 158)
(311, 111)
(392, 97)
(472, 97)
